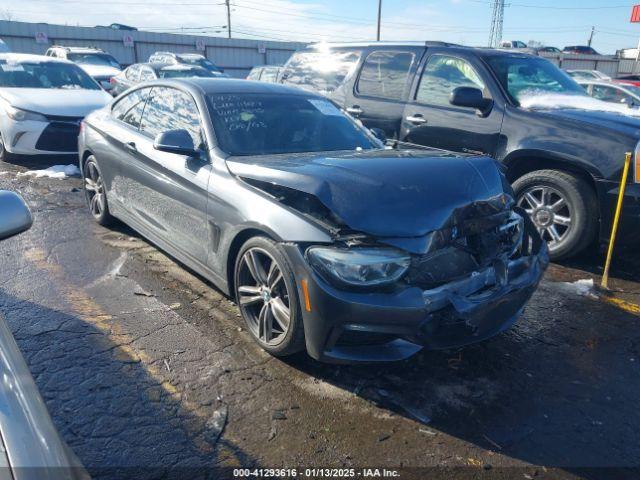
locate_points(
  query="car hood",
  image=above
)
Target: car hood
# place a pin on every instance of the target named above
(611, 120)
(53, 101)
(100, 70)
(385, 193)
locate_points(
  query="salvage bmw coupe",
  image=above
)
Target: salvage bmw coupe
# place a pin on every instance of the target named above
(326, 239)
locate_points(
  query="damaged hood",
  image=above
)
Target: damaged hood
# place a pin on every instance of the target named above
(385, 193)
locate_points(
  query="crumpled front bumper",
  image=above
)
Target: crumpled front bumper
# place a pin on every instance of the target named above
(345, 326)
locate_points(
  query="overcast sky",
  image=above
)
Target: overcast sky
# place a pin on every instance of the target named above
(553, 22)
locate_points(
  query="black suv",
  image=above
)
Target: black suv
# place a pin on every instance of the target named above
(563, 162)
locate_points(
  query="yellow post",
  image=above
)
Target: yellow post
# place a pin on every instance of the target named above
(616, 219)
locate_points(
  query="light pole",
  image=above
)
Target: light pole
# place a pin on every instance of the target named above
(228, 18)
(379, 16)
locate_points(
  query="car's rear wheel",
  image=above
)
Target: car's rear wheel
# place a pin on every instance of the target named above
(265, 290)
(563, 208)
(95, 192)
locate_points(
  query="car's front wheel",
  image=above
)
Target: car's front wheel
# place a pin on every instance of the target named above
(5, 156)
(265, 290)
(95, 192)
(563, 208)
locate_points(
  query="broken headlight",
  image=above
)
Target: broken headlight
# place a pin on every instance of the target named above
(358, 267)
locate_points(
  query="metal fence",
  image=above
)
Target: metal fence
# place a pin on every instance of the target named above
(236, 56)
(602, 63)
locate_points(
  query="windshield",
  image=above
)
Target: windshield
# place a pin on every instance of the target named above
(185, 73)
(525, 77)
(264, 124)
(44, 75)
(102, 59)
(200, 62)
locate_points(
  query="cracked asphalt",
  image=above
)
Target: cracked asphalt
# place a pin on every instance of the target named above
(148, 372)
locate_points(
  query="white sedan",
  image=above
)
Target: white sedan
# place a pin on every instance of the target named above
(42, 102)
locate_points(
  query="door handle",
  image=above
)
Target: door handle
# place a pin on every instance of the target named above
(416, 119)
(355, 110)
(131, 147)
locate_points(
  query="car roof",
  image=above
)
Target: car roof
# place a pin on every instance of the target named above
(230, 85)
(80, 49)
(482, 51)
(168, 66)
(28, 57)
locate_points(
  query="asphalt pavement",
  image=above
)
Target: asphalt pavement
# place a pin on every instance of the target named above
(148, 371)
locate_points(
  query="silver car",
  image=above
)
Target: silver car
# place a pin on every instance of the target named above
(30, 446)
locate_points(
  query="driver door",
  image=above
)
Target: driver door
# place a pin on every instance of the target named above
(171, 194)
(429, 119)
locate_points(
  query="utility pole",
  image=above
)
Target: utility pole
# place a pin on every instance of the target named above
(379, 18)
(497, 19)
(228, 17)
(593, 31)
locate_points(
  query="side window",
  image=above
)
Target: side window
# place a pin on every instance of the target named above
(146, 74)
(133, 73)
(254, 74)
(384, 74)
(269, 75)
(129, 108)
(610, 94)
(321, 72)
(171, 109)
(442, 75)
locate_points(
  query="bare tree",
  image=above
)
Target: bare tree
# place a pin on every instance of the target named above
(6, 14)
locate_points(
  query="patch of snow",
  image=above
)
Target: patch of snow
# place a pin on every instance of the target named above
(56, 171)
(583, 287)
(579, 102)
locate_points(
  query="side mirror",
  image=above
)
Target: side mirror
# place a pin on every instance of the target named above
(379, 134)
(15, 216)
(470, 97)
(176, 141)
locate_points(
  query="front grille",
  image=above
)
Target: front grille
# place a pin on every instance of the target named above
(59, 137)
(64, 118)
(483, 240)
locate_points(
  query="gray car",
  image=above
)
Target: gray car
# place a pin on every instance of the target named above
(30, 446)
(326, 239)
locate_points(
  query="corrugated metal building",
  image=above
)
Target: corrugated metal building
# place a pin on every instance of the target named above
(236, 56)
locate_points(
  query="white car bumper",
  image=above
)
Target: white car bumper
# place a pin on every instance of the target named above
(40, 138)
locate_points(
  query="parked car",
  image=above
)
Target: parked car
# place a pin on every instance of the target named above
(42, 101)
(588, 75)
(580, 49)
(265, 73)
(191, 59)
(629, 80)
(325, 238)
(613, 93)
(564, 163)
(120, 26)
(30, 446)
(97, 63)
(513, 44)
(517, 45)
(548, 50)
(143, 72)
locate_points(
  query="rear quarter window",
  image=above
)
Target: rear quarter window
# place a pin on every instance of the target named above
(322, 72)
(384, 74)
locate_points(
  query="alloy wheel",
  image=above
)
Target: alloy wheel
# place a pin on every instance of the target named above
(94, 190)
(550, 212)
(263, 296)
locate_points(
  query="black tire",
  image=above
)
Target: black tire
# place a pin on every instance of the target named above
(286, 343)
(5, 156)
(580, 208)
(94, 188)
